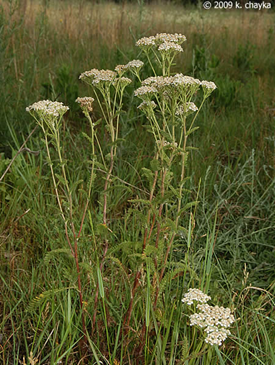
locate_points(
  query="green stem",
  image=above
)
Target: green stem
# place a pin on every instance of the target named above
(53, 177)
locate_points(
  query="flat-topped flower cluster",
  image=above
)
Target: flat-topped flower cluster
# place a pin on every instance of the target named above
(178, 81)
(97, 77)
(48, 113)
(165, 42)
(47, 108)
(215, 320)
(179, 88)
(106, 78)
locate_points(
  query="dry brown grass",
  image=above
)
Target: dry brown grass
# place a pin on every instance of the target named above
(116, 24)
(85, 34)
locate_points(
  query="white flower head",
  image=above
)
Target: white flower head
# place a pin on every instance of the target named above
(208, 87)
(195, 295)
(145, 92)
(181, 80)
(215, 321)
(48, 112)
(47, 109)
(216, 316)
(159, 82)
(134, 66)
(146, 42)
(216, 336)
(95, 77)
(175, 38)
(167, 47)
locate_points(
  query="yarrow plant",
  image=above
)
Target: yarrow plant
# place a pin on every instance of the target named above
(167, 101)
(214, 320)
(170, 102)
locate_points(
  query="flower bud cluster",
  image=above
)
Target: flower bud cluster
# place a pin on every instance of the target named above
(213, 319)
(86, 103)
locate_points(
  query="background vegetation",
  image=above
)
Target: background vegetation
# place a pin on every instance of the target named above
(44, 46)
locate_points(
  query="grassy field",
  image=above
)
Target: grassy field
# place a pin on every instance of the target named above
(115, 302)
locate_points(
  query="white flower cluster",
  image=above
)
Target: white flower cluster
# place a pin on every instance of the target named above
(158, 81)
(216, 336)
(180, 80)
(195, 295)
(208, 85)
(147, 42)
(212, 316)
(215, 320)
(186, 109)
(145, 91)
(96, 76)
(168, 46)
(48, 108)
(86, 103)
(134, 64)
(165, 37)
